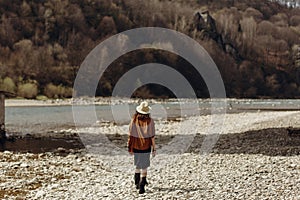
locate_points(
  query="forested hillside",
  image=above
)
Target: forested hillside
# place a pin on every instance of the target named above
(254, 44)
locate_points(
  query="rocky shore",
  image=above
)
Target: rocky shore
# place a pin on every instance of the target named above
(257, 156)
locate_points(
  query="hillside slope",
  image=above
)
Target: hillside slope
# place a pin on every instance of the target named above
(254, 44)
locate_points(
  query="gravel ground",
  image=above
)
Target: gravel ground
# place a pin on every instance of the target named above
(257, 156)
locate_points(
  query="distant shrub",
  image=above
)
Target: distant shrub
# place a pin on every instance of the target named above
(28, 90)
(57, 91)
(280, 18)
(68, 93)
(50, 91)
(266, 28)
(41, 97)
(252, 12)
(295, 20)
(250, 92)
(8, 85)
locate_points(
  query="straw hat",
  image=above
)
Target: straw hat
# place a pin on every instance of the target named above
(143, 108)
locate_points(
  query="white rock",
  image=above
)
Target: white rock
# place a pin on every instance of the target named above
(39, 194)
(24, 165)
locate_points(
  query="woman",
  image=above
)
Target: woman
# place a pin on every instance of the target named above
(141, 139)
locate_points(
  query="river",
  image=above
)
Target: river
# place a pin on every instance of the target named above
(32, 119)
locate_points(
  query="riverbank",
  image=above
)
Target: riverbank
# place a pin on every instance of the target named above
(256, 156)
(232, 103)
(67, 102)
(186, 176)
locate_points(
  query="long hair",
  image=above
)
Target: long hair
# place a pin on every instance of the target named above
(139, 121)
(141, 117)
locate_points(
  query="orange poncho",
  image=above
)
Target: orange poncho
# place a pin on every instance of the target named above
(141, 132)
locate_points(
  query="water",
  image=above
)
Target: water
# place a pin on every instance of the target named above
(52, 118)
(49, 119)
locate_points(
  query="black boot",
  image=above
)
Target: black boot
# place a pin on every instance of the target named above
(137, 178)
(142, 185)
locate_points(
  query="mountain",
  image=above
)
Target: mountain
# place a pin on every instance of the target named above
(289, 3)
(255, 44)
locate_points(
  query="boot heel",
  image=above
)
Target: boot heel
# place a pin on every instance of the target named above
(142, 185)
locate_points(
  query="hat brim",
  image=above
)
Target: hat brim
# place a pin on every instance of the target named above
(139, 110)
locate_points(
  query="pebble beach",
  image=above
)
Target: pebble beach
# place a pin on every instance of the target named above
(256, 156)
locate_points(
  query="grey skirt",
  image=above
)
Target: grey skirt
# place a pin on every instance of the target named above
(141, 159)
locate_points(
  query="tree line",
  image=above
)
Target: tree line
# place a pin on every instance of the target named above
(253, 43)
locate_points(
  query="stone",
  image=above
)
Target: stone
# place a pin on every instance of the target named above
(24, 165)
(39, 194)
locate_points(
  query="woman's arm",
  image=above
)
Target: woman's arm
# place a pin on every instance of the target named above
(153, 146)
(153, 143)
(153, 138)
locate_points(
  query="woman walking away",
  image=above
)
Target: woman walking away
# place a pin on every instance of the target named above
(140, 140)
